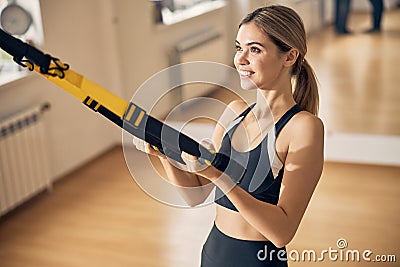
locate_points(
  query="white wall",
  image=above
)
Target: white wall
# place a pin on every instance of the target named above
(144, 47)
(77, 32)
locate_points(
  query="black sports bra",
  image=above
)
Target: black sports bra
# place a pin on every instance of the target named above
(260, 179)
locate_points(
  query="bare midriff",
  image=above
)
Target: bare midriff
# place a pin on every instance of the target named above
(234, 225)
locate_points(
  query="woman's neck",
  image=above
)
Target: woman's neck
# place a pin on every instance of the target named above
(272, 103)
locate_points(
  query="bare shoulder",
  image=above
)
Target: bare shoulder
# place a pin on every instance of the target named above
(305, 123)
(305, 128)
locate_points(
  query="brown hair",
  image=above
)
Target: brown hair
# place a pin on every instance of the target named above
(286, 29)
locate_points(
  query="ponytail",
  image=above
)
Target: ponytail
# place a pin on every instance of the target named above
(306, 89)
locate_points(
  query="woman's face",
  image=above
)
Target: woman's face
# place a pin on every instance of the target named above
(258, 60)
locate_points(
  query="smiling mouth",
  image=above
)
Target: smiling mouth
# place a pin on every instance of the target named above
(244, 73)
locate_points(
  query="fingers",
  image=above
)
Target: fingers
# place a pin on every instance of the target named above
(145, 147)
(192, 163)
(139, 144)
(208, 144)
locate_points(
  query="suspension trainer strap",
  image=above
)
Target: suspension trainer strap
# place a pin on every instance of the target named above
(128, 116)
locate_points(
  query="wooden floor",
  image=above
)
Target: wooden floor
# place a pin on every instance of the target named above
(98, 216)
(358, 76)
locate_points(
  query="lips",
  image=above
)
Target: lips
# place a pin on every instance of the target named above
(245, 73)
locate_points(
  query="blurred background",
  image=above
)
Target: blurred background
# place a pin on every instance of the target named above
(66, 195)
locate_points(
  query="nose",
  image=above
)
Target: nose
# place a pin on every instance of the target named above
(241, 58)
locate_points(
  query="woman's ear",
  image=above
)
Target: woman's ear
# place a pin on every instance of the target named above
(291, 57)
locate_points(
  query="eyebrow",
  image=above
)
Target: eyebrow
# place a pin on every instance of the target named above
(251, 43)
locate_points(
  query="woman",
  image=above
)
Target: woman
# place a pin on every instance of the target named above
(253, 226)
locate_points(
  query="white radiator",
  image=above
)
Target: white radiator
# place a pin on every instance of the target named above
(24, 166)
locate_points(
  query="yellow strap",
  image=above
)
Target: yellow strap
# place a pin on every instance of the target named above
(80, 87)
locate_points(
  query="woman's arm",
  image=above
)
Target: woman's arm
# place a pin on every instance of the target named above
(303, 167)
(194, 188)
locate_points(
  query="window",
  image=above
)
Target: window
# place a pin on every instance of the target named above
(22, 19)
(173, 11)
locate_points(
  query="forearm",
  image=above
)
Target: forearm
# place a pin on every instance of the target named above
(189, 185)
(178, 176)
(268, 219)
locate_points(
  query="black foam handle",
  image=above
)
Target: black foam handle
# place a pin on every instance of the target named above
(172, 143)
(20, 50)
(12, 45)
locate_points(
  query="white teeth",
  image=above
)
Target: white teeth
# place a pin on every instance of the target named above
(245, 73)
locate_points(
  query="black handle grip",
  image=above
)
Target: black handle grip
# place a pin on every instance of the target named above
(172, 143)
(12, 45)
(20, 50)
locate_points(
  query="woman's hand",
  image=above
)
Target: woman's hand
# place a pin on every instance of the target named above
(145, 147)
(193, 165)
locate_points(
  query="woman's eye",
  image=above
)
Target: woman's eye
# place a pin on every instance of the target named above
(255, 50)
(238, 48)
